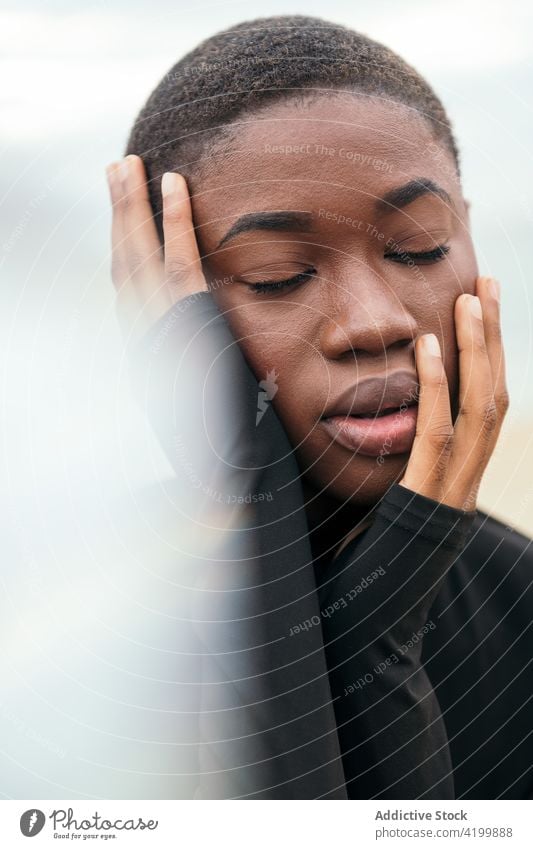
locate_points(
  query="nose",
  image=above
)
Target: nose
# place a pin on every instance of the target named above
(365, 318)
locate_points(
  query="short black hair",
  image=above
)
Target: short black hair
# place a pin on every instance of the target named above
(256, 62)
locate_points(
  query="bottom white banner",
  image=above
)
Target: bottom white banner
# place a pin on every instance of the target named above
(266, 825)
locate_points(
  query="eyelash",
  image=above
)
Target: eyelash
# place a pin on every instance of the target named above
(434, 255)
(282, 284)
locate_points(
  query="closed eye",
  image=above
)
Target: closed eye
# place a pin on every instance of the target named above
(434, 255)
(275, 285)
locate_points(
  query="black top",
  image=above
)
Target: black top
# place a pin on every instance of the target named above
(401, 670)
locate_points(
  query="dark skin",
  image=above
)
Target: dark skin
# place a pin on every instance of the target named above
(360, 312)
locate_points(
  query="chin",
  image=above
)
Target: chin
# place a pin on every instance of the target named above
(358, 480)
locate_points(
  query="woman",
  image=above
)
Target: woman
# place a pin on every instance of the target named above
(367, 635)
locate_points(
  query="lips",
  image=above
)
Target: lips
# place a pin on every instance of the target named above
(377, 416)
(376, 394)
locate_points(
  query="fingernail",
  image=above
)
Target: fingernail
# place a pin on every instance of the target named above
(474, 305)
(431, 344)
(169, 183)
(494, 288)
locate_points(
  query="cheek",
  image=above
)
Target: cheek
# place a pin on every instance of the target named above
(274, 338)
(260, 331)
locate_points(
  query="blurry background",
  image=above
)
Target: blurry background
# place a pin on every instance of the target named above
(74, 77)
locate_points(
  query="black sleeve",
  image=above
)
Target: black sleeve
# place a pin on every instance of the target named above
(267, 724)
(375, 601)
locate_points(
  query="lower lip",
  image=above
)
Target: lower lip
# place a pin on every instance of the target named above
(375, 436)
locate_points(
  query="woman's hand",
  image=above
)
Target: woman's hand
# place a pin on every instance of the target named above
(447, 462)
(148, 281)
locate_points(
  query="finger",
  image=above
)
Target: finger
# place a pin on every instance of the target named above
(137, 269)
(142, 248)
(476, 424)
(118, 263)
(183, 266)
(488, 291)
(430, 455)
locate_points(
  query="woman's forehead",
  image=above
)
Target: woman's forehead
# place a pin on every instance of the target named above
(331, 145)
(329, 161)
(351, 134)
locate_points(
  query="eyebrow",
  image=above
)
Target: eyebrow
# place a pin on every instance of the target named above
(401, 196)
(283, 220)
(299, 221)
